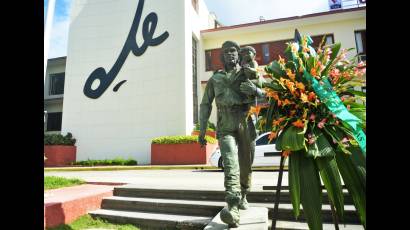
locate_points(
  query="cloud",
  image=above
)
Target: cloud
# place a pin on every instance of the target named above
(59, 30)
(59, 38)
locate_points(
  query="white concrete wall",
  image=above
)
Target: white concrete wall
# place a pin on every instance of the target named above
(156, 100)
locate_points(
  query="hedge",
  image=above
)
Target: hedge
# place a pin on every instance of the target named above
(181, 140)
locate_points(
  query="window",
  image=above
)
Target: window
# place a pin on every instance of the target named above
(360, 37)
(195, 79)
(265, 54)
(54, 121)
(264, 140)
(213, 60)
(329, 39)
(57, 83)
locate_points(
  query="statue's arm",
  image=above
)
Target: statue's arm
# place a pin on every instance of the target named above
(205, 108)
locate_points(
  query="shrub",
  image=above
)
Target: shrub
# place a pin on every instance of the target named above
(181, 140)
(211, 127)
(58, 139)
(116, 161)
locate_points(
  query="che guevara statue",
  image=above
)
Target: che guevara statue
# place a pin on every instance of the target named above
(236, 132)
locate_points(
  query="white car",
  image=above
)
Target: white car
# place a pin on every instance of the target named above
(262, 146)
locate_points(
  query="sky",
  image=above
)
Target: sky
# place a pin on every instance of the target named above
(228, 12)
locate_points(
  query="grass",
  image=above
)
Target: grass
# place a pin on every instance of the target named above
(53, 182)
(86, 222)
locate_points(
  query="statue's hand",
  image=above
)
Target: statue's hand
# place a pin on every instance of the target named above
(201, 139)
(248, 88)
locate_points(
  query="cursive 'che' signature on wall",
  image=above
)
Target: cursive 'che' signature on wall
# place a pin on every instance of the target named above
(148, 29)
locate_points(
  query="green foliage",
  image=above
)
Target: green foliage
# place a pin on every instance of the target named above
(291, 139)
(330, 176)
(53, 182)
(58, 139)
(87, 222)
(310, 192)
(116, 161)
(181, 140)
(294, 181)
(211, 127)
(352, 179)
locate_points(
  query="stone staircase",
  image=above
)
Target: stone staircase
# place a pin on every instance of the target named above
(193, 209)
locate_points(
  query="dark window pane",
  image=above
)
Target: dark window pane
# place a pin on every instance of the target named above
(54, 121)
(265, 54)
(208, 60)
(57, 83)
(318, 39)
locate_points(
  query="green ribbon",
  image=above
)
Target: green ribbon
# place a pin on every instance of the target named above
(328, 96)
(333, 102)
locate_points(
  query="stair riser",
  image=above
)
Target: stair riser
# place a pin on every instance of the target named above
(264, 197)
(205, 210)
(287, 215)
(147, 224)
(181, 209)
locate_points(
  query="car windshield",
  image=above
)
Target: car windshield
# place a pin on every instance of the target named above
(264, 140)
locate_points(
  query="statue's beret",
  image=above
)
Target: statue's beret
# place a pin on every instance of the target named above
(228, 44)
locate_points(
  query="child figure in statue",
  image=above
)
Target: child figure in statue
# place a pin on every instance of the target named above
(250, 66)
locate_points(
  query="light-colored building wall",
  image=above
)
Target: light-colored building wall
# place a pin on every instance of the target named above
(341, 25)
(156, 100)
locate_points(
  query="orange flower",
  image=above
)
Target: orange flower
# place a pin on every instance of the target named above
(286, 153)
(255, 109)
(272, 136)
(290, 74)
(300, 86)
(298, 124)
(278, 121)
(290, 85)
(287, 102)
(313, 72)
(281, 60)
(304, 97)
(311, 96)
(272, 94)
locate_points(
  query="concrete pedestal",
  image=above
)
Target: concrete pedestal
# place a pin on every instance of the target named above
(255, 218)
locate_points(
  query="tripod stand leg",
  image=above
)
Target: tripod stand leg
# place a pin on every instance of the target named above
(277, 195)
(334, 216)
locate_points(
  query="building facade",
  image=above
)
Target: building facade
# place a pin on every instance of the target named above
(136, 70)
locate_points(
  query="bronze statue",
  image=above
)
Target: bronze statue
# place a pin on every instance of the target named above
(232, 88)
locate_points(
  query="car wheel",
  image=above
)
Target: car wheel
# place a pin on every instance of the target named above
(221, 163)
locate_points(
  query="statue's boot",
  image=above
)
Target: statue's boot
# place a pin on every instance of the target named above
(243, 203)
(230, 216)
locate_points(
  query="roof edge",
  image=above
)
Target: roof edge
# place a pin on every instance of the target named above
(283, 19)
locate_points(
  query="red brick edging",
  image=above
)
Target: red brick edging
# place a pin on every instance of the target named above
(62, 206)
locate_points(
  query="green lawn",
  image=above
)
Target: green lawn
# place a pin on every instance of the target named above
(53, 182)
(86, 222)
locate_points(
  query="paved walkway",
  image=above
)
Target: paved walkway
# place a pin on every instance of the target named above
(171, 179)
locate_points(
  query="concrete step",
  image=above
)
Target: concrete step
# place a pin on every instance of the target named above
(255, 218)
(147, 220)
(209, 208)
(294, 225)
(210, 195)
